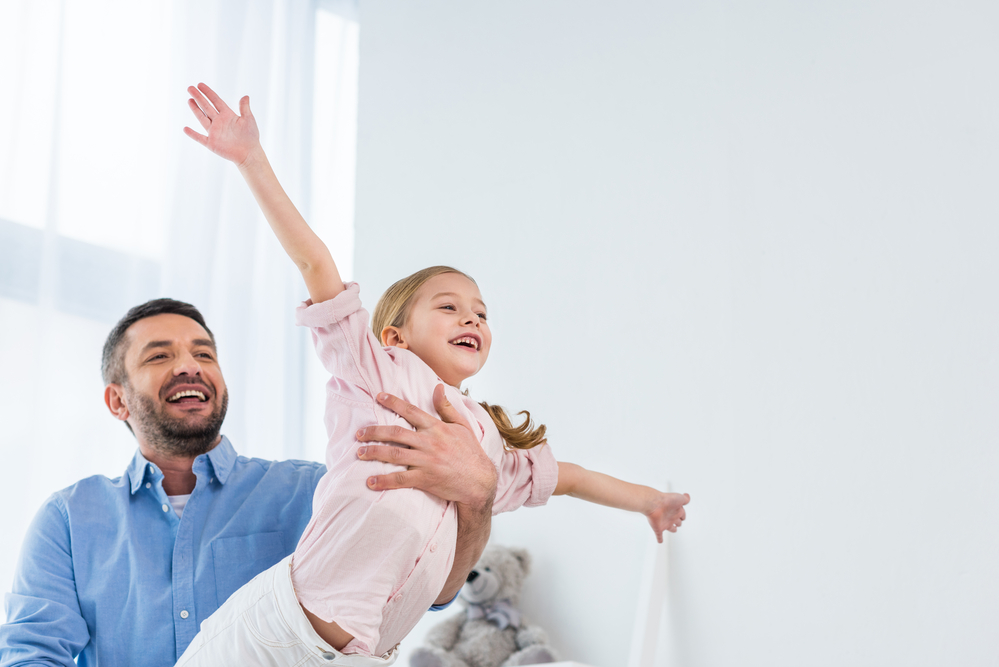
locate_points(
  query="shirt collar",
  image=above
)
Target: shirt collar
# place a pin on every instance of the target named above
(221, 457)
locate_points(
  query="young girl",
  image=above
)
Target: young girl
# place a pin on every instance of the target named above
(371, 563)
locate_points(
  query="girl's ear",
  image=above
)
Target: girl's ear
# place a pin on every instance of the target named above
(392, 337)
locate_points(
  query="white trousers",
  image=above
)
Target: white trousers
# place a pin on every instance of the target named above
(263, 624)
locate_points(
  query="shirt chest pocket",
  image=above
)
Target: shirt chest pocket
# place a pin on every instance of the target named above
(239, 559)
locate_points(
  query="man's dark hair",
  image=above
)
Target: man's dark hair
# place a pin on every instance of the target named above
(113, 360)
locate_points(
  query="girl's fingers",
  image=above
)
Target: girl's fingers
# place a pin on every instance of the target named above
(203, 103)
(199, 114)
(215, 99)
(244, 107)
(200, 138)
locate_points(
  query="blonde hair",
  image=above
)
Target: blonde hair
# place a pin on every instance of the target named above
(393, 310)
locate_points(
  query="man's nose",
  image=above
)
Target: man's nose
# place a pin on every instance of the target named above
(187, 365)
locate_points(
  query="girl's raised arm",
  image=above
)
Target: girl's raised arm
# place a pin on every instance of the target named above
(236, 138)
(663, 510)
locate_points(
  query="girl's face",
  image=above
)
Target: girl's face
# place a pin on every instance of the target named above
(446, 328)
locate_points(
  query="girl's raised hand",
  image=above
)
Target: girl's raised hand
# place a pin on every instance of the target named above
(667, 513)
(230, 136)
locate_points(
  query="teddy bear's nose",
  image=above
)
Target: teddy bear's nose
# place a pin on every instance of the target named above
(472, 576)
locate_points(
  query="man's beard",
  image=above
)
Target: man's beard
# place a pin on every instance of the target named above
(172, 436)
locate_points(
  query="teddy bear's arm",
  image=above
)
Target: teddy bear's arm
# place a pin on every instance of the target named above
(445, 634)
(529, 635)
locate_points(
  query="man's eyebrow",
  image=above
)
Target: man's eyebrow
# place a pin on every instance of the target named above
(200, 342)
(155, 343)
(455, 295)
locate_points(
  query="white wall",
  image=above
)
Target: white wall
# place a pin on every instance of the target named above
(747, 247)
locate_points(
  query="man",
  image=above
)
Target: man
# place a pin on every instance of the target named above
(123, 571)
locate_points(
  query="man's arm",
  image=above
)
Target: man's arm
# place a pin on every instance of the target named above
(443, 458)
(44, 622)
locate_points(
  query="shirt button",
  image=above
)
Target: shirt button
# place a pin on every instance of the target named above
(148, 485)
(329, 656)
(211, 481)
(166, 508)
(184, 614)
(433, 547)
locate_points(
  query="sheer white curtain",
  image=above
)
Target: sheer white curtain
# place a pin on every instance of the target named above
(104, 204)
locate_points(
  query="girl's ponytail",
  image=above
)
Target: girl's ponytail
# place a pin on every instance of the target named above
(524, 436)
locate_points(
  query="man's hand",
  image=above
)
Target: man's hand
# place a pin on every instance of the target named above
(233, 137)
(443, 458)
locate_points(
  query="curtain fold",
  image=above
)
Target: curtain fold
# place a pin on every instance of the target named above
(104, 203)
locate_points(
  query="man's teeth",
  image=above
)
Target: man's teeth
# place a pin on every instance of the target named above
(185, 394)
(466, 341)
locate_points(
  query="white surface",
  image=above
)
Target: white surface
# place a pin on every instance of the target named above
(652, 594)
(747, 247)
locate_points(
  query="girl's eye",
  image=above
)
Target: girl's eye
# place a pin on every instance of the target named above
(482, 316)
(448, 307)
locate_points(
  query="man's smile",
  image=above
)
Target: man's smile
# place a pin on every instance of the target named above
(187, 394)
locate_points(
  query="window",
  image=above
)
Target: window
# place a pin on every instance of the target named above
(105, 204)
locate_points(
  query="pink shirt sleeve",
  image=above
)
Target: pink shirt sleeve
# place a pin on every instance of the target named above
(346, 347)
(526, 477)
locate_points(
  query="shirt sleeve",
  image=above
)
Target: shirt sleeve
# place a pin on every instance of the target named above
(525, 477)
(44, 623)
(345, 345)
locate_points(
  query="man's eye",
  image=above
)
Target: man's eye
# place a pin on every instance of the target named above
(205, 355)
(156, 356)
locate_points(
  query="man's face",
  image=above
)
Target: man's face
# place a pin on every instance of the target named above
(175, 397)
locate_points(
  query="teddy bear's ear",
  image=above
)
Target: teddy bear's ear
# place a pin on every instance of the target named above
(524, 558)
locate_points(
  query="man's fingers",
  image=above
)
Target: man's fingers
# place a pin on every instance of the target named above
(394, 480)
(386, 454)
(407, 411)
(444, 408)
(396, 434)
(200, 138)
(213, 97)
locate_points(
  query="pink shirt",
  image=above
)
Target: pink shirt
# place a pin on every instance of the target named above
(374, 562)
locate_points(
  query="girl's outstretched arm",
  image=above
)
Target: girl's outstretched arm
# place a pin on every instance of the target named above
(663, 510)
(237, 139)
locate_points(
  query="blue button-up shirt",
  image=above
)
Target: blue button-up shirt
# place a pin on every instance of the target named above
(109, 572)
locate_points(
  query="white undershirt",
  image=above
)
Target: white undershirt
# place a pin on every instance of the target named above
(179, 503)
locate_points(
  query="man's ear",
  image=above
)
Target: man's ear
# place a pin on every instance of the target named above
(114, 398)
(392, 337)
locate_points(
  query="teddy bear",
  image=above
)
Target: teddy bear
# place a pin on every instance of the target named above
(491, 631)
